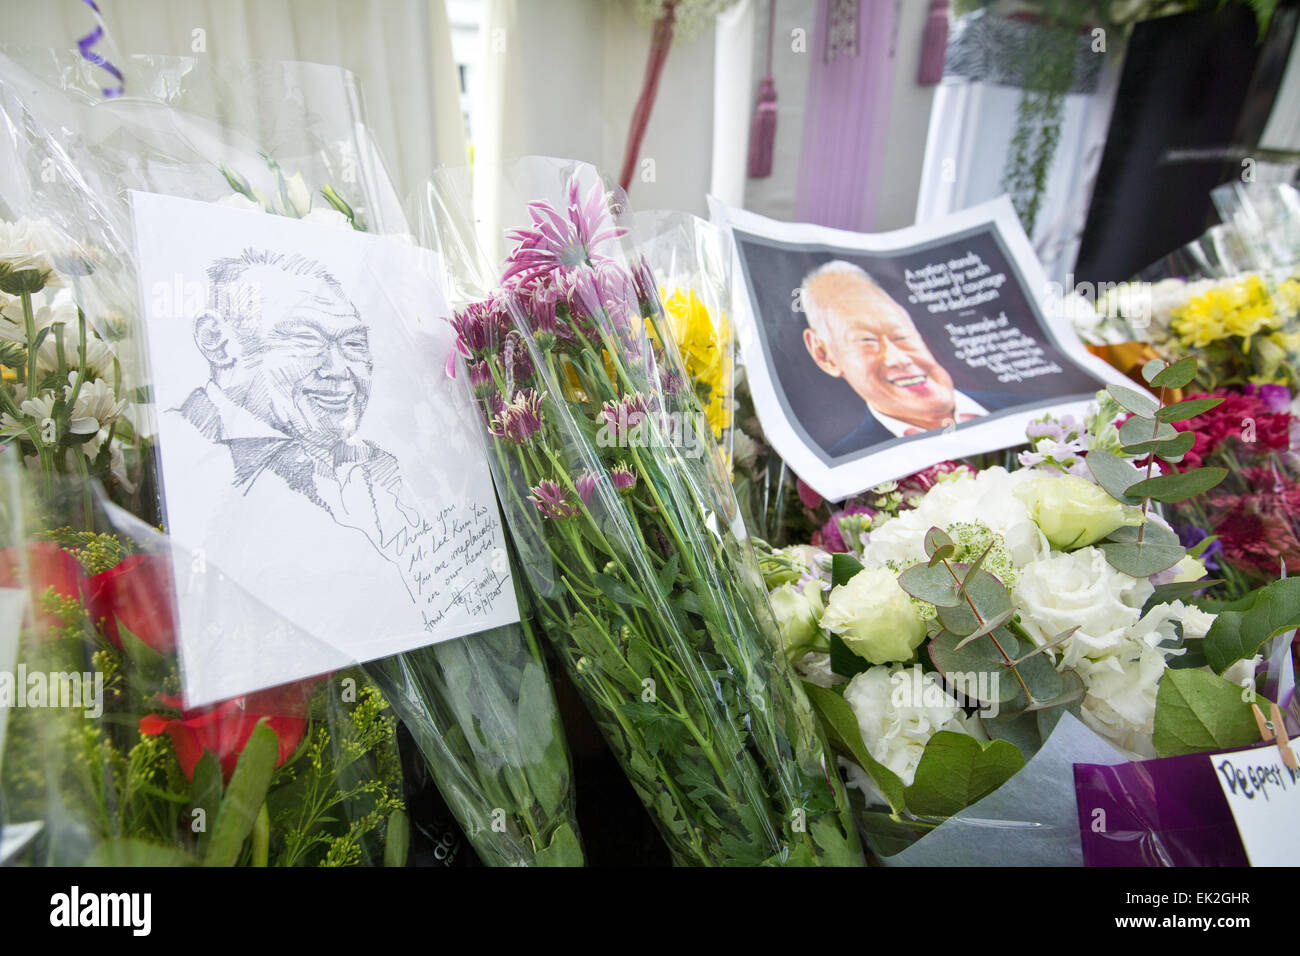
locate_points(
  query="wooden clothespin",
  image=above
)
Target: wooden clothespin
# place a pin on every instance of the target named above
(1276, 727)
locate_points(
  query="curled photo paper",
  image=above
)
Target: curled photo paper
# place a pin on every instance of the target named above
(327, 495)
(871, 357)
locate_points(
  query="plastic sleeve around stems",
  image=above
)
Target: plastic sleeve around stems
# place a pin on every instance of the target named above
(206, 130)
(101, 763)
(651, 597)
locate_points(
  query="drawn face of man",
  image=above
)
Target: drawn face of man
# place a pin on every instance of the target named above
(869, 340)
(304, 363)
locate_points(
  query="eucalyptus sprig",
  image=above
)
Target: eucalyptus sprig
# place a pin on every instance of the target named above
(1148, 548)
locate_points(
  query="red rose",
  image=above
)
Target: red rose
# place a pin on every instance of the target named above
(138, 593)
(48, 566)
(224, 729)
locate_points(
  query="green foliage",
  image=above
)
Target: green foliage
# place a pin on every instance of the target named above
(1198, 712)
(1243, 627)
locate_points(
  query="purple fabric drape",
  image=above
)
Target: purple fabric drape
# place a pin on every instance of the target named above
(845, 120)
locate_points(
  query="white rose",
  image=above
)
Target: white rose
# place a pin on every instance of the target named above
(898, 710)
(1072, 511)
(988, 497)
(1061, 591)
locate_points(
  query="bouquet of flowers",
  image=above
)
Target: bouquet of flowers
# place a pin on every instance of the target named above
(633, 551)
(945, 643)
(480, 709)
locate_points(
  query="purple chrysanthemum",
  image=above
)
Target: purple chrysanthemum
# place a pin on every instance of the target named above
(623, 477)
(520, 419)
(625, 415)
(586, 486)
(552, 501)
(479, 327)
(560, 242)
(480, 377)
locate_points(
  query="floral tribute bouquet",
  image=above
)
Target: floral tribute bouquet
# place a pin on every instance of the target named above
(634, 555)
(946, 640)
(480, 709)
(104, 765)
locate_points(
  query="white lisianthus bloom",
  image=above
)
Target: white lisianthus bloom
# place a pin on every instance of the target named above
(988, 498)
(296, 200)
(1120, 703)
(874, 617)
(798, 612)
(1061, 591)
(815, 668)
(1072, 511)
(898, 710)
(327, 216)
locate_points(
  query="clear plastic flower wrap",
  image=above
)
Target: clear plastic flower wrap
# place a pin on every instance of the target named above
(634, 553)
(288, 139)
(101, 762)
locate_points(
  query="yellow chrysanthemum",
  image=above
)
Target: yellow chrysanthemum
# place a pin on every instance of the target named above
(703, 343)
(1240, 308)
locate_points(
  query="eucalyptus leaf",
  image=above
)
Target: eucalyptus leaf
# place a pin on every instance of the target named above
(1177, 375)
(1182, 411)
(1179, 486)
(1114, 474)
(1133, 400)
(1158, 550)
(980, 656)
(990, 597)
(1140, 429)
(934, 584)
(1152, 368)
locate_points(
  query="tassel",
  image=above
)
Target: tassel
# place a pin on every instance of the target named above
(934, 44)
(762, 132)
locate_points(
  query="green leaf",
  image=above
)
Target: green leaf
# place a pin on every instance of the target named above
(980, 656)
(1114, 474)
(144, 657)
(244, 796)
(1176, 591)
(842, 728)
(397, 839)
(1139, 429)
(1133, 400)
(1182, 411)
(934, 584)
(206, 789)
(543, 755)
(957, 770)
(1173, 451)
(938, 545)
(666, 577)
(990, 597)
(1174, 376)
(618, 592)
(843, 567)
(1152, 368)
(843, 661)
(133, 852)
(563, 850)
(1241, 629)
(658, 728)
(1197, 712)
(1178, 486)
(1200, 547)
(1159, 549)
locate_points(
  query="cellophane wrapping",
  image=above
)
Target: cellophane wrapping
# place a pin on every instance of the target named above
(289, 139)
(631, 545)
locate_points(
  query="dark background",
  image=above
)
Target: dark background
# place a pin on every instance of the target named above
(829, 409)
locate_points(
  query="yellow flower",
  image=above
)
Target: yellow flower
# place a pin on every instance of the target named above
(1238, 308)
(703, 344)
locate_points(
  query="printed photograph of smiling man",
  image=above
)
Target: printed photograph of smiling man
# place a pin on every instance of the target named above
(857, 332)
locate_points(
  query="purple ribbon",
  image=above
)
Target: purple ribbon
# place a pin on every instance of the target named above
(88, 41)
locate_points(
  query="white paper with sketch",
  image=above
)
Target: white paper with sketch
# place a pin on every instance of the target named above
(324, 485)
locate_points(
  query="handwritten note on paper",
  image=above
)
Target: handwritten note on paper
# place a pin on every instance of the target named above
(324, 482)
(1264, 796)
